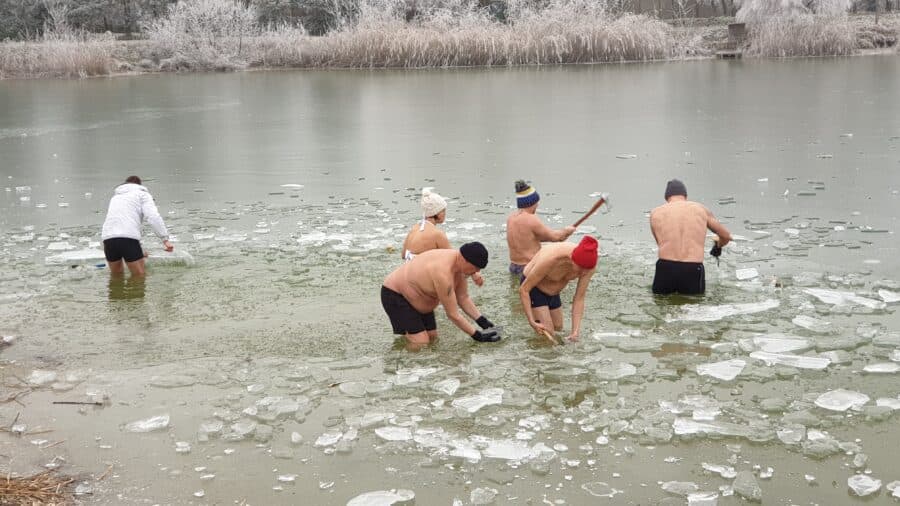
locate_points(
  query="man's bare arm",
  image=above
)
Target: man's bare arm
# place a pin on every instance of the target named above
(717, 228)
(444, 286)
(578, 304)
(545, 233)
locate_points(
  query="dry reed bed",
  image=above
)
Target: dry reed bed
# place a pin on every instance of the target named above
(44, 488)
(804, 36)
(56, 57)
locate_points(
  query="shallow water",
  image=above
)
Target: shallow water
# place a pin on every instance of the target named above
(292, 192)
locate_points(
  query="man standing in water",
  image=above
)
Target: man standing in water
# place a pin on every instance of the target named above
(525, 231)
(545, 277)
(130, 205)
(679, 227)
(410, 294)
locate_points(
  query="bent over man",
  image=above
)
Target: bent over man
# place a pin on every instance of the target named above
(410, 294)
(130, 205)
(679, 227)
(545, 277)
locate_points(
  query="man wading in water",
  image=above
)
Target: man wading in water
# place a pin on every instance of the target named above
(525, 231)
(679, 227)
(410, 294)
(545, 277)
(130, 205)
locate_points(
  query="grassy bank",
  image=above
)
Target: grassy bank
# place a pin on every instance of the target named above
(559, 34)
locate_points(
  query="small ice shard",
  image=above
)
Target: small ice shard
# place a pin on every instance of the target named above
(398, 497)
(292, 186)
(447, 386)
(888, 296)
(328, 439)
(182, 447)
(682, 488)
(296, 438)
(745, 274)
(40, 378)
(705, 313)
(60, 246)
(838, 297)
(625, 156)
(863, 485)
(611, 372)
(726, 472)
(726, 370)
(745, 485)
(483, 496)
(353, 388)
(894, 488)
(762, 180)
(84, 488)
(888, 402)
(473, 403)
(243, 428)
(765, 474)
(882, 368)
(287, 478)
(792, 434)
(685, 426)
(775, 343)
(394, 433)
(792, 232)
(798, 361)
(508, 450)
(600, 489)
(703, 499)
(841, 400)
(812, 324)
(149, 424)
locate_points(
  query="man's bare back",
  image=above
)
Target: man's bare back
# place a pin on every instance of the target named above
(418, 281)
(421, 239)
(679, 227)
(554, 263)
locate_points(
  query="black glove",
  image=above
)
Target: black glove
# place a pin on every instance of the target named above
(484, 322)
(716, 251)
(488, 336)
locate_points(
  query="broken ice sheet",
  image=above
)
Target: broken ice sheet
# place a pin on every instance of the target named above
(775, 343)
(882, 368)
(394, 433)
(705, 313)
(888, 296)
(841, 400)
(798, 361)
(838, 297)
(149, 424)
(447, 386)
(812, 324)
(889, 402)
(726, 370)
(686, 426)
(682, 488)
(863, 485)
(473, 403)
(745, 274)
(726, 472)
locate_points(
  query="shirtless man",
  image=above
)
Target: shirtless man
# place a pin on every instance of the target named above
(544, 278)
(410, 294)
(425, 235)
(525, 231)
(679, 227)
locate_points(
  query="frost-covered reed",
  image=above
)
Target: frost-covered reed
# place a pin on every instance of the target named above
(57, 54)
(803, 35)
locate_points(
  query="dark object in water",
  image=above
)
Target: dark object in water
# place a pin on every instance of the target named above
(716, 251)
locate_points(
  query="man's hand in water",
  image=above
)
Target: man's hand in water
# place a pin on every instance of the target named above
(168, 246)
(478, 279)
(540, 328)
(573, 338)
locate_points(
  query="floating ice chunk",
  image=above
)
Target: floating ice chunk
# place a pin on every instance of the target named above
(775, 343)
(600, 489)
(812, 324)
(40, 377)
(863, 485)
(447, 386)
(703, 499)
(792, 434)
(407, 376)
(792, 232)
(84, 488)
(888, 402)
(838, 297)
(149, 424)
(353, 388)
(287, 478)
(60, 246)
(292, 186)
(243, 428)
(682, 488)
(895, 355)
(394, 433)
(465, 450)
(182, 447)
(745, 485)
(894, 488)
(473, 403)
(704, 313)
(615, 371)
(798, 361)
(508, 450)
(882, 368)
(762, 180)
(888, 296)
(398, 497)
(745, 274)
(626, 156)
(327, 439)
(686, 426)
(841, 400)
(726, 370)
(726, 472)
(483, 496)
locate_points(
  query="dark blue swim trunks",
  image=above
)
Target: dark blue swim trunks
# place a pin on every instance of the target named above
(541, 299)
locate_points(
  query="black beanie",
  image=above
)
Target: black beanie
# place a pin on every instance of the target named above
(475, 253)
(675, 187)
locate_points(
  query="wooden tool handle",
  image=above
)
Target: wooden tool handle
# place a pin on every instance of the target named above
(592, 210)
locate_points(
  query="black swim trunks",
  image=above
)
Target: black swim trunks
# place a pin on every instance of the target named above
(686, 278)
(117, 248)
(405, 319)
(540, 299)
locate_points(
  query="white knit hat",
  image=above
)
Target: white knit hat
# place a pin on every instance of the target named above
(432, 203)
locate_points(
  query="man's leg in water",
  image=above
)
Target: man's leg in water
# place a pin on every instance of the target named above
(116, 268)
(557, 316)
(136, 268)
(542, 315)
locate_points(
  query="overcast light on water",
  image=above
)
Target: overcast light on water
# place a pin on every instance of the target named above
(256, 366)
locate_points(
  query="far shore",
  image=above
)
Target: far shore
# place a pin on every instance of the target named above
(650, 40)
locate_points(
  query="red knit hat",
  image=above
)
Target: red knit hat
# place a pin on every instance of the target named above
(585, 254)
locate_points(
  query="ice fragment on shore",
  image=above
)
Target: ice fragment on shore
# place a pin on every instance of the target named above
(292, 186)
(447, 386)
(882, 368)
(473, 403)
(841, 400)
(726, 370)
(287, 478)
(863, 485)
(149, 424)
(791, 434)
(704, 313)
(798, 361)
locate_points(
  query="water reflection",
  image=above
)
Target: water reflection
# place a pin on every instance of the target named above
(127, 288)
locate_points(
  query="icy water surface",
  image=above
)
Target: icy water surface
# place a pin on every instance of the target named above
(259, 368)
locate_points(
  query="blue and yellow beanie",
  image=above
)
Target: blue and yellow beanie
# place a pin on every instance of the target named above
(526, 196)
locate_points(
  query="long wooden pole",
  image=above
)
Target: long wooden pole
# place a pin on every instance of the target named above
(591, 211)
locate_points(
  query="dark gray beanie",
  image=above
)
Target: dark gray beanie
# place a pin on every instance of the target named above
(675, 187)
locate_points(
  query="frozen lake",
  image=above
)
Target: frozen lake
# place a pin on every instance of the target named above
(264, 371)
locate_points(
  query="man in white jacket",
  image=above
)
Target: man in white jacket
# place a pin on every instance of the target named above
(129, 207)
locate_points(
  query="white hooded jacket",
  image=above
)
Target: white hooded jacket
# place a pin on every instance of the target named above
(129, 206)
